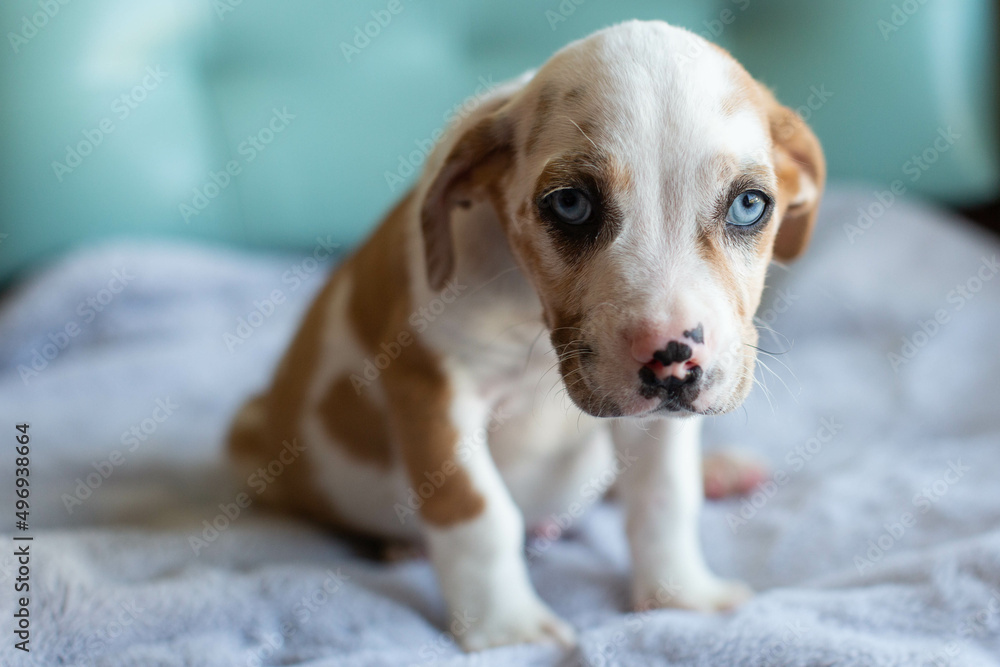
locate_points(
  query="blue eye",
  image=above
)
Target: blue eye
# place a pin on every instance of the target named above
(748, 209)
(570, 205)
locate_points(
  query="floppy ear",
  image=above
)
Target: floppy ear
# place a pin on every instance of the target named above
(801, 171)
(470, 172)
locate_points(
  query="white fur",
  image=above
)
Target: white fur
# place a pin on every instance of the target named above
(663, 498)
(480, 563)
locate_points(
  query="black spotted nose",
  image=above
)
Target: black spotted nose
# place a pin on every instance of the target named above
(674, 352)
(673, 375)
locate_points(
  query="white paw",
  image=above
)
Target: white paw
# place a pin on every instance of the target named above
(533, 622)
(705, 593)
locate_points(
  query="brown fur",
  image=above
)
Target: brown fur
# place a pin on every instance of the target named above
(417, 391)
(543, 110)
(266, 421)
(356, 423)
(797, 151)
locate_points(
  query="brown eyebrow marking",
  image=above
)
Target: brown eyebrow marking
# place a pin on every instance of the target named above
(585, 132)
(612, 177)
(575, 94)
(543, 110)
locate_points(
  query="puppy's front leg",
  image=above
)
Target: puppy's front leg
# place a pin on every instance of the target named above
(663, 493)
(475, 532)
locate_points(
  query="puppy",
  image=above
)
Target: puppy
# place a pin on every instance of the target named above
(599, 230)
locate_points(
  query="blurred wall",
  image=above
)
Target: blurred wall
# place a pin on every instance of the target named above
(271, 123)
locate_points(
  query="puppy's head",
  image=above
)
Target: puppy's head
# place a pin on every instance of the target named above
(644, 181)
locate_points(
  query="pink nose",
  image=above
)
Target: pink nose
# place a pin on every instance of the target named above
(670, 351)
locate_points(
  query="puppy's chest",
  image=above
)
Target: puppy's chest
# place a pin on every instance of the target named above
(504, 351)
(533, 417)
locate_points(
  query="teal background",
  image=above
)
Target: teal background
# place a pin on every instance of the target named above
(230, 64)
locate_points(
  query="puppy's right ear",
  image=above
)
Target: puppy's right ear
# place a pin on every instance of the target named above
(471, 171)
(801, 171)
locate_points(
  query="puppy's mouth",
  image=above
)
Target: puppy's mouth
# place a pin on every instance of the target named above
(577, 365)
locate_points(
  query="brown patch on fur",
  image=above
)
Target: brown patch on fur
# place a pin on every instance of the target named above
(574, 355)
(619, 177)
(543, 110)
(266, 422)
(588, 128)
(418, 392)
(356, 423)
(421, 400)
(419, 397)
(575, 94)
(797, 154)
(710, 247)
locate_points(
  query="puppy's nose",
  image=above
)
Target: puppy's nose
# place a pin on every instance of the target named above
(674, 365)
(669, 346)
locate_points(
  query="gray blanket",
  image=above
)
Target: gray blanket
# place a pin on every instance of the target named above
(875, 542)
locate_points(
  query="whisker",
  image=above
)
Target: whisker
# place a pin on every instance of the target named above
(496, 277)
(780, 379)
(783, 365)
(767, 352)
(582, 132)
